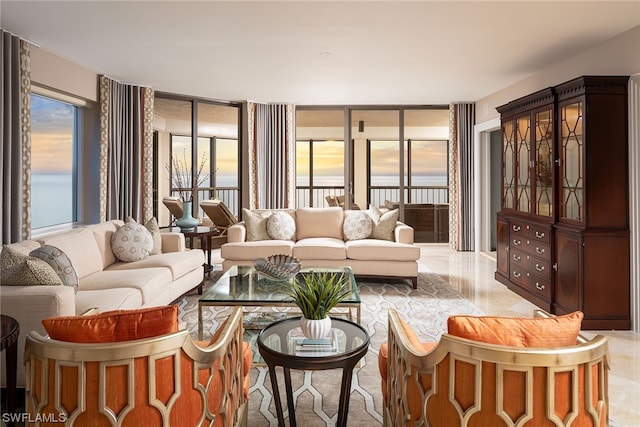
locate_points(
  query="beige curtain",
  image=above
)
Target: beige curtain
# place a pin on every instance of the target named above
(15, 131)
(461, 196)
(271, 140)
(126, 141)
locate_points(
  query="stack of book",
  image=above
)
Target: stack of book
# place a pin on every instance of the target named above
(320, 347)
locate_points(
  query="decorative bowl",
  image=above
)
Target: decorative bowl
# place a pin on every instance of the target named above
(277, 267)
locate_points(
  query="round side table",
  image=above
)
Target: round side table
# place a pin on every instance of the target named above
(278, 346)
(10, 329)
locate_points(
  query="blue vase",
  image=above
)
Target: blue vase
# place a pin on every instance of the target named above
(187, 222)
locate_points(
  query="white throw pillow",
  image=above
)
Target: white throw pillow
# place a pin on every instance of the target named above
(357, 225)
(131, 242)
(281, 226)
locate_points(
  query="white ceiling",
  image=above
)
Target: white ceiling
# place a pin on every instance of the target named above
(319, 52)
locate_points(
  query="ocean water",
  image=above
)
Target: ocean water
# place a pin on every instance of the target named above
(51, 199)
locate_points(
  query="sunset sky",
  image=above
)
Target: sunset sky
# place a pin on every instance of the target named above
(51, 136)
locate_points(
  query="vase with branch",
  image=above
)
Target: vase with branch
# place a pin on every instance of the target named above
(183, 182)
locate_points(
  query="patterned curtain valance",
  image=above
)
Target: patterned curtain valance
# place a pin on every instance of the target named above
(15, 134)
(461, 197)
(126, 143)
(271, 155)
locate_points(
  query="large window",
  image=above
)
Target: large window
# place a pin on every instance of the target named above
(53, 162)
(214, 151)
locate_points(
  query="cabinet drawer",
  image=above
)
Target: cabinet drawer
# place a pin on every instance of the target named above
(538, 266)
(530, 282)
(533, 232)
(538, 249)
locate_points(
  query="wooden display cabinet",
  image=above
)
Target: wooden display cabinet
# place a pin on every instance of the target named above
(565, 200)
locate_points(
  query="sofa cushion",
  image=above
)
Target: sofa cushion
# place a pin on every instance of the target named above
(384, 224)
(281, 226)
(24, 270)
(150, 281)
(108, 299)
(320, 248)
(102, 233)
(557, 331)
(131, 242)
(381, 250)
(256, 224)
(357, 225)
(243, 251)
(81, 248)
(319, 222)
(60, 263)
(179, 263)
(114, 326)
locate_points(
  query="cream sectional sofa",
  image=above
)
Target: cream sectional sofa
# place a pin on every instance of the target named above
(104, 282)
(319, 242)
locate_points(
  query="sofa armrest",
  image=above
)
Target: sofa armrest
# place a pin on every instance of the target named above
(29, 305)
(237, 233)
(403, 233)
(173, 242)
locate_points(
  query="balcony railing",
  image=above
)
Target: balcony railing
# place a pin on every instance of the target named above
(315, 196)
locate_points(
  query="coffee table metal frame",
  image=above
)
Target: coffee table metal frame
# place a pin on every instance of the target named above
(244, 286)
(282, 352)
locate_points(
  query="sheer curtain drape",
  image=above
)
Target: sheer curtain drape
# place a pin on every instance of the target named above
(15, 131)
(126, 141)
(461, 197)
(271, 155)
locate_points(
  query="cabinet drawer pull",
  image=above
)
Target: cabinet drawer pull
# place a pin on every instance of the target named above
(539, 250)
(539, 286)
(539, 235)
(516, 242)
(516, 274)
(516, 258)
(539, 267)
(516, 228)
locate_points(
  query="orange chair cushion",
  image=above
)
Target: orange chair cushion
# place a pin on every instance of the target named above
(557, 331)
(114, 326)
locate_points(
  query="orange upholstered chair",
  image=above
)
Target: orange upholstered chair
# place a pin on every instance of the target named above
(135, 368)
(489, 371)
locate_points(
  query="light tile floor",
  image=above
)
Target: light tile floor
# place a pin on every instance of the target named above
(473, 275)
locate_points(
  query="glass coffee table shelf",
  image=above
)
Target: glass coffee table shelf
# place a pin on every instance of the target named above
(244, 286)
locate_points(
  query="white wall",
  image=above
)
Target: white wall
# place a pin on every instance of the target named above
(617, 56)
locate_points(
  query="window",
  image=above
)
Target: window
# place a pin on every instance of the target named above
(53, 161)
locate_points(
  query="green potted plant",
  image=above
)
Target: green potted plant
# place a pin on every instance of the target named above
(316, 293)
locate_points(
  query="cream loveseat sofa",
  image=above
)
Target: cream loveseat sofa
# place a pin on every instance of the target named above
(319, 241)
(103, 281)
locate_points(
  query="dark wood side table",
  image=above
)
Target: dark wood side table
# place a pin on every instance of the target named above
(10, 330)
(353, 343)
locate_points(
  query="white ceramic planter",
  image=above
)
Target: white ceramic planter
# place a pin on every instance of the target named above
(315, 329)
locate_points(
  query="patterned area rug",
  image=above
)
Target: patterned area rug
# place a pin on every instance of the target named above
(316, 393)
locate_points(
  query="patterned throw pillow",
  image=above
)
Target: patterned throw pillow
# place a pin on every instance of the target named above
(384, 224)
(256, 224)
(131, 242)
(60, 263)
(154, 229)
(357, 225)
(18, 269)
(281, 226)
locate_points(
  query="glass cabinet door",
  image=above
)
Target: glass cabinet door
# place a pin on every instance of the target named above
(544, 162)
(508, 169)
(523, 163)
(571, 169)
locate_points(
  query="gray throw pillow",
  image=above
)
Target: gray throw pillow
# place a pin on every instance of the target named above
(384, 224)
(256, 224)
(60, 263)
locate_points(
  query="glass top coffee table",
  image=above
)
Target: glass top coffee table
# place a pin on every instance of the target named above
(244, 286)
